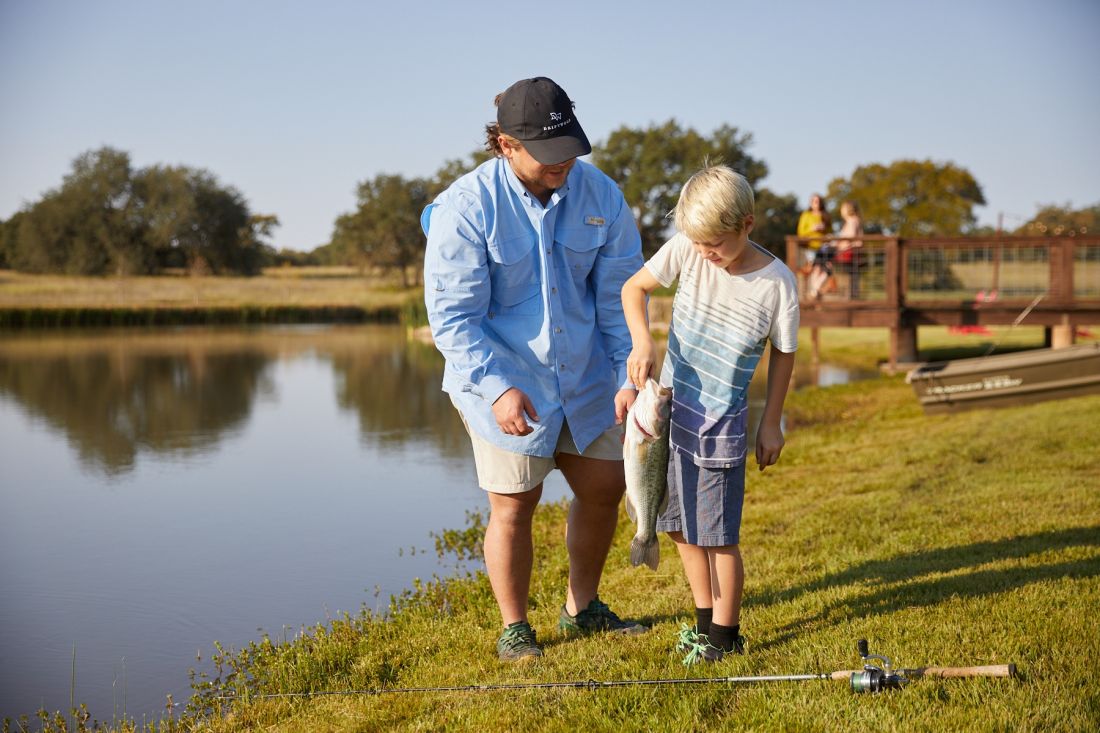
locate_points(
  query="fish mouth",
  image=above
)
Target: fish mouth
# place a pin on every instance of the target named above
(645, 432)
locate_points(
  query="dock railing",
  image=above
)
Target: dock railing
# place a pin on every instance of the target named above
(903, 283)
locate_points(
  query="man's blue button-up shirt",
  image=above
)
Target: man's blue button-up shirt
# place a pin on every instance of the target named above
(528, 296)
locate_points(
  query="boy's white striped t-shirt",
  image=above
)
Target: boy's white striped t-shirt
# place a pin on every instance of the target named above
(720, 325)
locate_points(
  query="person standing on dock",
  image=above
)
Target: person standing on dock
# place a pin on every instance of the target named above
(812, 223)
(525, 260)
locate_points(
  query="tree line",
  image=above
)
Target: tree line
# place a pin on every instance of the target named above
(107, 217)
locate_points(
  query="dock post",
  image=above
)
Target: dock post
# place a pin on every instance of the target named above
(903, 345)
(1062, 335)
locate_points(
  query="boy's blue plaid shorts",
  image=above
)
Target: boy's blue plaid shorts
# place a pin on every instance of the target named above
(703, 503)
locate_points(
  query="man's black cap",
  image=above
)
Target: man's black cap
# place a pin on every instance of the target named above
(538, 113)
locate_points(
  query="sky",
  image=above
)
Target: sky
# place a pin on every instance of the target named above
(295, 103)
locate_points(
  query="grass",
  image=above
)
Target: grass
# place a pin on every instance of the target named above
(279, 295)
(952, 540)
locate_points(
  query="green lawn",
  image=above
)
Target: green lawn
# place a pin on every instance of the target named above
(957, 540)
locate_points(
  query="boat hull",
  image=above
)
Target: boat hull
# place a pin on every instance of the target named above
(1007, 380)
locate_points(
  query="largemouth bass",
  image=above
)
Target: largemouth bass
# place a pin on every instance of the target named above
(645, 457)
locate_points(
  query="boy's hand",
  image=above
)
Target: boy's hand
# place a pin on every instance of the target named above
(624, 399)
(639, 365)
(769, 444)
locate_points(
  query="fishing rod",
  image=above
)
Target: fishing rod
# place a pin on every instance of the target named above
(872, 678)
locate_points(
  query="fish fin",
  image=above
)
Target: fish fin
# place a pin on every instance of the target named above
(645, 552)
(631, 512)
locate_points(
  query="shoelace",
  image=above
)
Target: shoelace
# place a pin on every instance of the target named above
(600, 610)
(520, 636)
(690, 639)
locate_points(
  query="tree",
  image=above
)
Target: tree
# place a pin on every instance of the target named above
(912, 198)
(1063, 221)
(107, 218)
(454, 169)
(384, 230)
(776, 217)
(652, 164)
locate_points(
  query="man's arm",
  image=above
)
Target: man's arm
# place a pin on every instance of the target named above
(456, 295)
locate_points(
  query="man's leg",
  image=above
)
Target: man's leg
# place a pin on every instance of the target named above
(597, 486)
(509, 553)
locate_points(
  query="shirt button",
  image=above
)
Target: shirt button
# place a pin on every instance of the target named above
(557, 329)
(561, 366)
(553, 290)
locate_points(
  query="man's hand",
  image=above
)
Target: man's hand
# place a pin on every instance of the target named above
(624, 398)
(509, 411)
(769, 444)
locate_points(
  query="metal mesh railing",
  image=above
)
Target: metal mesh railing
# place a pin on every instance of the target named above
(859, 275)
(964, 272)
(1086, 271)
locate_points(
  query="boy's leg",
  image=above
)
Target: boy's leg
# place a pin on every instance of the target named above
(727, 582)
(697, 569)
(509, 551)
(597, 486)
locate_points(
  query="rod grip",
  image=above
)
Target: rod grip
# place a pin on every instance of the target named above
(991, 670)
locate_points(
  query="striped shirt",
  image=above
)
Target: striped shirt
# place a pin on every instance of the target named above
(720, 325)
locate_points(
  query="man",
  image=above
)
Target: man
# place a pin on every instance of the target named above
(525, 261)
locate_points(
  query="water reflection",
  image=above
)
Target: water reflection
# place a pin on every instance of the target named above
(113, 400)
(118, 395)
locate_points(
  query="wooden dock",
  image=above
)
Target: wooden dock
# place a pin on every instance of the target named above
(902, 284)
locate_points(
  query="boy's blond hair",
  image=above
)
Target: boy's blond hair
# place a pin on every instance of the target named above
(714, 202)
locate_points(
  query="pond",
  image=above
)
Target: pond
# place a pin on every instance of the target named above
(163, 489)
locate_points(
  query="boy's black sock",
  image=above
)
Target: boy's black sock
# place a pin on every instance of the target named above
(702, 620)
(724, 637)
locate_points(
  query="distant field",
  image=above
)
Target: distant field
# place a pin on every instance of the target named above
(278, 295)
(277, 286)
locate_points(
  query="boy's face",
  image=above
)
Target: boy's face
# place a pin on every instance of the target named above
(726, 249)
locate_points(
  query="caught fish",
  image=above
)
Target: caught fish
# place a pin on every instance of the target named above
(645, 457)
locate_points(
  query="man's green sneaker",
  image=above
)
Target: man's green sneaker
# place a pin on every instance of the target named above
(597, 617)
(518, 642)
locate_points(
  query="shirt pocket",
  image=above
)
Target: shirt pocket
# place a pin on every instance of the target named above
(513, 274)
(580, 245)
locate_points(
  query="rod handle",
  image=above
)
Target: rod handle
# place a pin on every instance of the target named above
(990, 670)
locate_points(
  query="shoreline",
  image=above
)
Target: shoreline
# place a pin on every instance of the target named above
(155, 315)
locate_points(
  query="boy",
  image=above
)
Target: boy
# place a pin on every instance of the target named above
(733, 296)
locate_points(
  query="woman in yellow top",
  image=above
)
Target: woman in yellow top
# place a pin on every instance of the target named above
(813, 223)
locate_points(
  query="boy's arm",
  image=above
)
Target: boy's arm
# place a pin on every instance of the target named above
(640, 363)
(769, 436)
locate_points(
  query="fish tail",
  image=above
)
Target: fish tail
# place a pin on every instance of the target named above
(645, 551)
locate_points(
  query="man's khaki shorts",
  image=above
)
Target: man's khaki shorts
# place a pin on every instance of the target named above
(504, 472)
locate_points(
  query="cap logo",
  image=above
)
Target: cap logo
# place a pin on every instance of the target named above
(555, 117)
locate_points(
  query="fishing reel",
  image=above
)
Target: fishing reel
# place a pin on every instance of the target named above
(874, 678)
